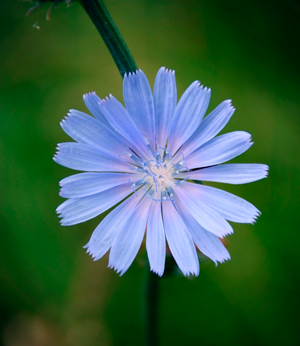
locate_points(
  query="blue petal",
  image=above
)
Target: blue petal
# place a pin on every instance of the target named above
(220, 149)
(128, 241)
(180, 242)
(212, 124)
(156, 240)
(165, 98)
(231, 173)
(85, 129)
(229, 206)
(84, 157)
(204, 215)
(139, 102)
(122, 122)
(78, 210)
(86, 184)
(188, 115)
(92, 102)
(104, 235)
(208, 243)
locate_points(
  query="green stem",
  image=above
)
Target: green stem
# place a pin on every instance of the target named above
(151, 311)
(110, 34)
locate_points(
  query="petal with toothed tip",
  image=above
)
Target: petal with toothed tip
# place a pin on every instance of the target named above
(230, 173)
(179, 240)
(165, 98)
(212, 124)
(139, 102)
(188, 114)
(127, 243)
(86, 129)
(86, 184)
(92, 102)
(219, 149)
(84, 157)
(209, 244)
(74, 211)
(119, 118)
(104, 235)
(204, 215)
(229, 206)
(156, 240)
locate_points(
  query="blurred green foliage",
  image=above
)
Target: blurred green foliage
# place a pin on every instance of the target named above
(51, 292)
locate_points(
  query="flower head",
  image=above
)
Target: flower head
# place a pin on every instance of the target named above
(152, 157)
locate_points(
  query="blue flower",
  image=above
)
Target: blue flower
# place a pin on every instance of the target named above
(149, 158)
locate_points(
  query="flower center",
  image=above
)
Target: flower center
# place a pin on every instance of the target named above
(158, 176)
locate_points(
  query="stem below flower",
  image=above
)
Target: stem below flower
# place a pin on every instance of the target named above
(110, 34)
(151, 315)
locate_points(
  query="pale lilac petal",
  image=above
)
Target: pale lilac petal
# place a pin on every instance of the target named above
(122, 122)
(188, 115)
(204, 215)
(86, 129)
(220, 149)
(104, 235)
(139, 102)
(229, 206)
(128, 241)
(78, 210)
(156, 240)
(86, 184)
(179, 240)
(84, 157)
(209, 244)
(231, 173)
(165, 98)
(92, 102)
(212, 124)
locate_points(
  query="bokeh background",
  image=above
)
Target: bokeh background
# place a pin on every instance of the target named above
(51, 292)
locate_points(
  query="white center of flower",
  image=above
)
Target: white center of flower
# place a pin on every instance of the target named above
(159, 175)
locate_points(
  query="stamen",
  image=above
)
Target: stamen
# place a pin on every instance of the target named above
(133, 188)
(156, 183)
(157, 157)
(182, 169)
(133, 157)
(167, 154)
(150, 192)
(138, 182)
(164, 195)
(170, 192)
(180, 182)
(146, 164)
(154, 174)
(148, 143)
(147, 175)
(181, 165)
(135, 168)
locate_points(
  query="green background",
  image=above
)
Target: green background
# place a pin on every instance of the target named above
(51, 292)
